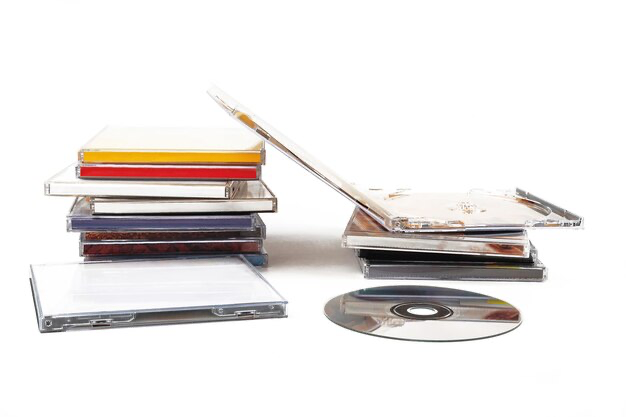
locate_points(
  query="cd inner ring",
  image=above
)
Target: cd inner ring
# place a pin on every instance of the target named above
(421, 311)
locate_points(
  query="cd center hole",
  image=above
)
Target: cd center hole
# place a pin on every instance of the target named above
(422, 311)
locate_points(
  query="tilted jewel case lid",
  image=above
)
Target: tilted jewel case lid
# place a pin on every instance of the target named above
(91, 295)
(413, 212)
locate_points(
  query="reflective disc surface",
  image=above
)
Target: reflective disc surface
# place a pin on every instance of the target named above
(412, 312)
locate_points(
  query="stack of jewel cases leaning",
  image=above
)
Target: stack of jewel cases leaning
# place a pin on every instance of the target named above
(478, 235)
(167, 192)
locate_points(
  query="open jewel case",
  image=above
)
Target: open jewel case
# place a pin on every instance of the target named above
(406, 211)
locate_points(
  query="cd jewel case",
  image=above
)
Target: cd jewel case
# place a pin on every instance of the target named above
(141, 145)
(80, 219)
(168, 172)
(476, 210)
(405, 211)
(155, 248)
(256, 259)
(390, 265)
(251, 197)
(392, 255)
(166, 235)
(363, 232)
(65, 183)
(419, 313)
(92, 295)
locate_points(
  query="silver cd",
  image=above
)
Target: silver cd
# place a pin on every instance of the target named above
(412, 312)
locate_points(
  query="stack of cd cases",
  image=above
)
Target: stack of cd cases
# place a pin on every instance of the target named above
(492, 255)
(169, 230)
(401, 234)
(148, 192)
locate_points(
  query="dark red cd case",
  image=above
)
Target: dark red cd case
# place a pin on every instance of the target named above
(108, 248)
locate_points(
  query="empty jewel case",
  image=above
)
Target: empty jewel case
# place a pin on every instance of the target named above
(406, 211)
(250, 197)
(92, 295)
(363, 232)
(65, 183)
(80, 219)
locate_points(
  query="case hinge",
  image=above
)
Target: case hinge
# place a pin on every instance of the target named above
(246, 313)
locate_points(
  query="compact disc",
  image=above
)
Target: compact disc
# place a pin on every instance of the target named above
(414, 312)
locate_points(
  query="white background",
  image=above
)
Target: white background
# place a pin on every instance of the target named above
(439, 96)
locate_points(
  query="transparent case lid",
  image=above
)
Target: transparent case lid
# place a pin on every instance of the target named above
(406, 211)
(91, 295)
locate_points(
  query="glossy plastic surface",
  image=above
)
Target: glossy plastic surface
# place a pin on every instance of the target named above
(406, 211)
(65, 183)
(165, 291)
(250, 197)
(80, 219)
(363, 232)
(163, 145)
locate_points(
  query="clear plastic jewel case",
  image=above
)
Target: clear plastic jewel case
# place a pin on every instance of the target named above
(251, 197)
(259, 259)
(172, 145)
(106, 294)
(80, 219)
(186, 235)
(533, 271)
(406, 211)
(476, 210)
(65, 183)
(363, 232)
